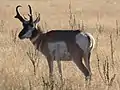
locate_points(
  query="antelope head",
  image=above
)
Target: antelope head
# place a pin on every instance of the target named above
(29, 26)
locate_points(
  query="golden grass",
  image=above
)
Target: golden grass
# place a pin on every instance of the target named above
(100, 17)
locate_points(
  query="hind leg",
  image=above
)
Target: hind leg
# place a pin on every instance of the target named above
(77, 54)
(87, 62)
(80, 65)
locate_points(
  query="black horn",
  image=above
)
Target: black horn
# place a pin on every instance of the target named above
(30, 15)
(18, 14)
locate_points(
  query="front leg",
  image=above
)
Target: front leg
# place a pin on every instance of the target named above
(59, 68)
(50, 65)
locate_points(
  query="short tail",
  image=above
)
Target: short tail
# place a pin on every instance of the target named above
(92, 41)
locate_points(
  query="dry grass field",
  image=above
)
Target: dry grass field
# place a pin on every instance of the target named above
(99, 17)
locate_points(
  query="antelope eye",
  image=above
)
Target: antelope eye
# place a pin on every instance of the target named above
(31, 25)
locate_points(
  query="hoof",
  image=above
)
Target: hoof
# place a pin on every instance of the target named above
(88, 78)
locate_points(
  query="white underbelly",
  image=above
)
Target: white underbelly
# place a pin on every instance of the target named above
(58, 50)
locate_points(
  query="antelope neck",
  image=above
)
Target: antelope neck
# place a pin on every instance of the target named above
(36, 38)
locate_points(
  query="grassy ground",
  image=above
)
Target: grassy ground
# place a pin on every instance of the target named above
(100, 17)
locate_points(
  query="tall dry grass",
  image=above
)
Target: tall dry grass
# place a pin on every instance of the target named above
(22, 68)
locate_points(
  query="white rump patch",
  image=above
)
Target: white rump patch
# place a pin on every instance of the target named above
(82, 41)
(58, 50)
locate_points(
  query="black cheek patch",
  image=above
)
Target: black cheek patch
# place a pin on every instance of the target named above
(22, 33)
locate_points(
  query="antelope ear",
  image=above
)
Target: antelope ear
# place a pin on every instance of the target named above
(37, 19)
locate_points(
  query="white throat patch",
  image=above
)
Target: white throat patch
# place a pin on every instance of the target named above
(58, 50)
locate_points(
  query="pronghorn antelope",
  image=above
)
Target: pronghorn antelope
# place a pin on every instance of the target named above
(59, 45)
